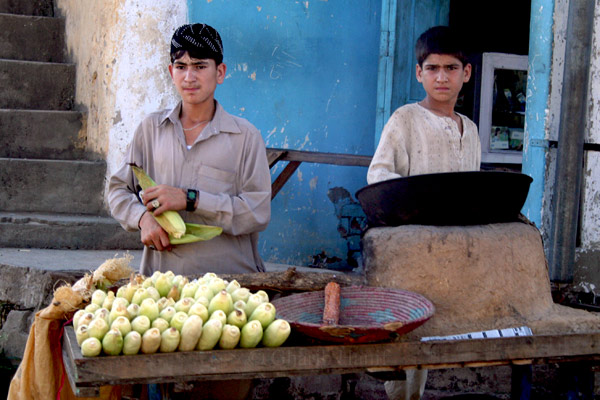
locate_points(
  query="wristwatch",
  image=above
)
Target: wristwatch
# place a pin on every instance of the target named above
(192, 196)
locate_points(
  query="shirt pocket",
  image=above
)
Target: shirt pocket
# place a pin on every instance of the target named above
(214, 180)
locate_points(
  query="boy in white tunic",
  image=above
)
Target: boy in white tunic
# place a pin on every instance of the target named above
(428, 137)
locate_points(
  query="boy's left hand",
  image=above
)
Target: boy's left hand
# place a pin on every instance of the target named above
(168, 197)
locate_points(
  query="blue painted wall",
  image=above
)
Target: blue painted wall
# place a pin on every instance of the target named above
(305, 73)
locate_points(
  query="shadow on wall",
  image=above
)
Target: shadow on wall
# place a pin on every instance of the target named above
(352, 221)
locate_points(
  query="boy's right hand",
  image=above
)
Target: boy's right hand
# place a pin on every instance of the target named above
(152, 234)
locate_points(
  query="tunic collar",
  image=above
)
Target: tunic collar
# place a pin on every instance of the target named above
(221, 122)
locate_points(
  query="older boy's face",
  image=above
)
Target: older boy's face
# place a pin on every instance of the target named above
(443, 76)
(196, 79)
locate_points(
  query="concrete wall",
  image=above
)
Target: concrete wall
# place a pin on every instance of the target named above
(587, 267)
(121, 49)
(589, 253)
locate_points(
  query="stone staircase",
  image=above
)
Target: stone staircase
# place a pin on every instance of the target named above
(51, 192)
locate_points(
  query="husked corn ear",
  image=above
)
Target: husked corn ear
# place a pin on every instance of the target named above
(170, 220)
(142, 177)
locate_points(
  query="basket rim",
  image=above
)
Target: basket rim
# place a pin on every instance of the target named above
(428, 306)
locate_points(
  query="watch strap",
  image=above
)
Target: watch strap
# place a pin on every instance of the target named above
(191, 197)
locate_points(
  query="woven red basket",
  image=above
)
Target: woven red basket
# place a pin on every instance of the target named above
(367, 314)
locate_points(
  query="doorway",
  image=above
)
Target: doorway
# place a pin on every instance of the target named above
(497, 28)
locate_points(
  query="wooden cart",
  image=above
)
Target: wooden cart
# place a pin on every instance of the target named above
(86, 375)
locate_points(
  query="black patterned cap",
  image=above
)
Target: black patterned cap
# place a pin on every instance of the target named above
(199, 40)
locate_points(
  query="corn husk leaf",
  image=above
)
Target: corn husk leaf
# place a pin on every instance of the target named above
(196, 233)
(112, 270)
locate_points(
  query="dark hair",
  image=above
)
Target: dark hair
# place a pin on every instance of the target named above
(180, 53)
(201, 41)
(439, 40)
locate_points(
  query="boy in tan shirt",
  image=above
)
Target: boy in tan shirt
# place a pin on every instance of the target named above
(211, 167)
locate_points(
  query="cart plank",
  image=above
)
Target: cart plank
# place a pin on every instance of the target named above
(320, 359)
(292, 280)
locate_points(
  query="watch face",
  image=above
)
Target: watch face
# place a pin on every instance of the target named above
(191, 199)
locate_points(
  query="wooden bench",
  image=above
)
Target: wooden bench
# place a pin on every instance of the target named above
(296, 157)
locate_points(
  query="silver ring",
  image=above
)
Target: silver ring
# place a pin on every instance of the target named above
(154, 203)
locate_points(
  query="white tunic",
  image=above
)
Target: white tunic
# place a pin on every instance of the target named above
(416, 141)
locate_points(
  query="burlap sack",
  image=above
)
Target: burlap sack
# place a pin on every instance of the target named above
(41, 374)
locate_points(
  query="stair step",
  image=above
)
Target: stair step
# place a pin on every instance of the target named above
(43, 135)
(27, 7)
(36, 85)
(31, 38)
(64, 231)
(60, 186)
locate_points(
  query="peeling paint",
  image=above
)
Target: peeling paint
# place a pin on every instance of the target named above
(302, 145)
(313, 183)
(271, 133)
(117, 119)
(282, 60)
(332, 94)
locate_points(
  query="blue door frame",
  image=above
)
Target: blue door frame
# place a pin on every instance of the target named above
(538, 88)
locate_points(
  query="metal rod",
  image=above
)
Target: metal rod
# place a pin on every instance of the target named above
(569, 164)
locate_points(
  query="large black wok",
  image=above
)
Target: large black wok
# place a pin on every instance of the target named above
(451, 198)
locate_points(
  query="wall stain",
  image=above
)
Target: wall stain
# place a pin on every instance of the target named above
(352, 222)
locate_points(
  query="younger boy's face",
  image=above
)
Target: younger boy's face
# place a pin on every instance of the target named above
(196, 79)
(443, 76)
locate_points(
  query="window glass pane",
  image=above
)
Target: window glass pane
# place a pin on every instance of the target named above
(508, 110)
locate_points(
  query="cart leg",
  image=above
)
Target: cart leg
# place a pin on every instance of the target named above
(348, 387)
(578, 380)
(520, 381)
(154, 392)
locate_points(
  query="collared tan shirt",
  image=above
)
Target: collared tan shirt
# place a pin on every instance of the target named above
(227, 164)
(416, 141)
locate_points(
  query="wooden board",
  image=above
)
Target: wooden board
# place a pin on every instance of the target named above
(288, 281)
(292, 280)
(275, 155)
(296, 157)
(87, 374)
